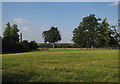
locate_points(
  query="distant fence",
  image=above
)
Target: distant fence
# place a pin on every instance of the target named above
(68, 45)
(74, 48)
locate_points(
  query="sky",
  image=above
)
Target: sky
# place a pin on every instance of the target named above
(33, 18)
(59, 0)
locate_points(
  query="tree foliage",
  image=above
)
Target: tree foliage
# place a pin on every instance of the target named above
(10, 37)
(93, 33)
(52, 35)
(104, 33)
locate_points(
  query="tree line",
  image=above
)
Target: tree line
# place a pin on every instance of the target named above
(10, 41)
(91, 32)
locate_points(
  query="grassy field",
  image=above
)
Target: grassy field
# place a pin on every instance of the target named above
(61, 65)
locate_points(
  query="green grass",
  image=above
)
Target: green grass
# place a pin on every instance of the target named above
(61, 65)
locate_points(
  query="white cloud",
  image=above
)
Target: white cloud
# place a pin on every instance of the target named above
(114, 4)
(20, 20)
(25, 28)
(42, 27)
(113, 22)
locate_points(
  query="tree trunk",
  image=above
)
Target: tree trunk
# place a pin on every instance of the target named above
(53, 45)
(92, 47)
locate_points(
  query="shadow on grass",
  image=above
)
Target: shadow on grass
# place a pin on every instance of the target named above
(18, 77)
(42, 49)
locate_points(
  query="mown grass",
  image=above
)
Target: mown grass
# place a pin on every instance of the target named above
(61, 65)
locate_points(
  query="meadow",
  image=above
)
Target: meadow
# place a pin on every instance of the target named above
(61, 65)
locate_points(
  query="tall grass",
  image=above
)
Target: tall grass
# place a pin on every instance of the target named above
(61, 65)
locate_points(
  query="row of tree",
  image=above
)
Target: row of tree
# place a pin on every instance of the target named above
(10, 41)
(91, 32)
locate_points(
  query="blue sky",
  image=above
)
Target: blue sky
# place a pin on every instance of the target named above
(33, 18)
(60, 0)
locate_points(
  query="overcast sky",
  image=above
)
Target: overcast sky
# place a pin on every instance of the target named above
(33, 18)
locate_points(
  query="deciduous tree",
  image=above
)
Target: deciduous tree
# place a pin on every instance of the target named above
(52, 35)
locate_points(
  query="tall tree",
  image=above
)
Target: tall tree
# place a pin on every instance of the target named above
(104, 33)
(10, 37)
(6, 33)
(91, 33)
(86, 35)
(11, 33)
(6, 38)
(79, 37)
(52, 35)
(14, 33)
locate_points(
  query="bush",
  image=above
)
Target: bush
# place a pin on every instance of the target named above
(23, 46)
(62, 45)
(33, 45)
